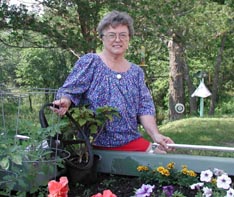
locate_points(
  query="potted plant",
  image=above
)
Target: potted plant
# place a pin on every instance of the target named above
(77, 138)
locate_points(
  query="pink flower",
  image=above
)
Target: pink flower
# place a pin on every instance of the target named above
(58, 189)
(106, 193)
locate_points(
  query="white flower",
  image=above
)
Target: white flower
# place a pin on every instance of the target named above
(230, 193)
(196, 186)
(207, 192)
(224, 181)
(218, 172)
(206, 176)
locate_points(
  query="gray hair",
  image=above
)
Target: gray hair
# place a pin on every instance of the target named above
(114, 19)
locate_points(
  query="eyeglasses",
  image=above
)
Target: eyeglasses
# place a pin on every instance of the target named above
(113, 36)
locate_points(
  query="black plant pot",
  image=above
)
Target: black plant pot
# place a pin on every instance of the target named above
(83, 176)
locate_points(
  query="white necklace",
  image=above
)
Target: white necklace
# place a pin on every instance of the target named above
(119, 76)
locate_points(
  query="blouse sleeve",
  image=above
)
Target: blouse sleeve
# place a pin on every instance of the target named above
(78, 81)
(146, 104)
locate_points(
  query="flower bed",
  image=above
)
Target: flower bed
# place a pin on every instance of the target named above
(163, 181)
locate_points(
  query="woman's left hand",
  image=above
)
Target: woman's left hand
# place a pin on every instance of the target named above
(163, 141)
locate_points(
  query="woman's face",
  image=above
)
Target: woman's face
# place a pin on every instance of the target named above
(116, 40)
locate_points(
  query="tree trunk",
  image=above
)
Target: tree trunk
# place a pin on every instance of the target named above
(176, 79)
(88, 24)
(191, 89)
(216, 76)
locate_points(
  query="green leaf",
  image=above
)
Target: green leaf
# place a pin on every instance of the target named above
(17, 159)
(93, 128)
(3, 146)
(5, 163)
(82, 122)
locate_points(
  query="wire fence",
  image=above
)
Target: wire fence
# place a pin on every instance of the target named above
(20, 128)
(22, 106)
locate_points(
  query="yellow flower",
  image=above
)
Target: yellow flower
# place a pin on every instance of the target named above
(184, 170)
(142, 168)
(160, 169)
(166, 172)
(170, 165)
(191, 173)
(163, 171)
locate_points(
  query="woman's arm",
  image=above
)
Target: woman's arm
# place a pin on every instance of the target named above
(150, 126)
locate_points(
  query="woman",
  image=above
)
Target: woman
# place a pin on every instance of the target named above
(109, 79)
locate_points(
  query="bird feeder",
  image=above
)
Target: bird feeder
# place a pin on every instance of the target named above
(202, 92)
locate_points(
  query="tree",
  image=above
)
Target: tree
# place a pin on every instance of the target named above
(8, 60)
(30, 71)
(216, 75)
(176, 82)
(215, 22)
(167, 24)
(70, 25)
(192, 25)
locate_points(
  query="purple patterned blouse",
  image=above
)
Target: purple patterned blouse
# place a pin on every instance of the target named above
(93, 82)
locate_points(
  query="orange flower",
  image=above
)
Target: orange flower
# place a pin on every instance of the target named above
(58, 189)
(106, 193)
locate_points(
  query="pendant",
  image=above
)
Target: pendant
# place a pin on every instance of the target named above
(118, 76)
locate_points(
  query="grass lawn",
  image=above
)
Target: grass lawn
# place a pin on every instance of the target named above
(201, 131)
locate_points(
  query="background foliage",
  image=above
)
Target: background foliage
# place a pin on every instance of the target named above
(39, 46)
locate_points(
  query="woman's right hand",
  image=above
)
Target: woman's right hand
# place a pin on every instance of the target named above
(63, 105)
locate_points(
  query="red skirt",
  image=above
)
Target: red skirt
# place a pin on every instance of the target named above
(139, 144)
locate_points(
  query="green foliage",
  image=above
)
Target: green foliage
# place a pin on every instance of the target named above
(30, 71)
(108, 182)
(90, 121)
(159, 89)
(29, 159)
(178, 194)
(196, 25)
(226, 107)
(26, 160)
(10, 152)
